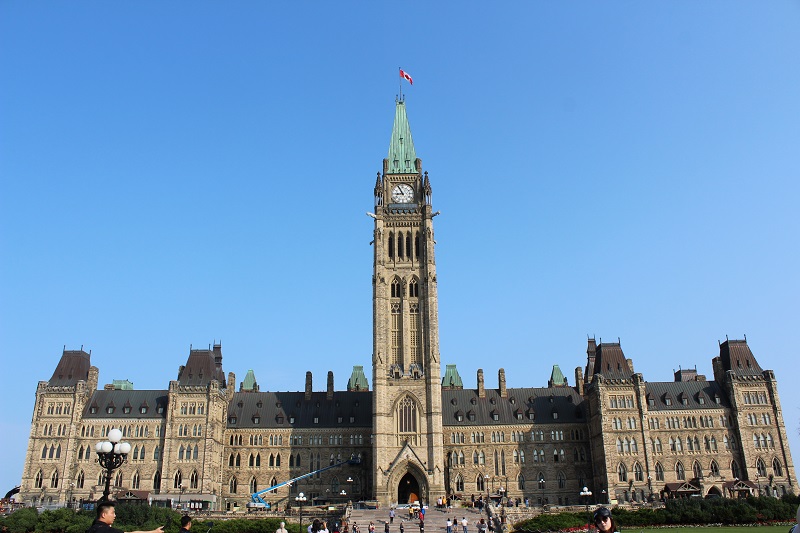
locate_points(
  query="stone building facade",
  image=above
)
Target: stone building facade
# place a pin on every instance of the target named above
(417, 435)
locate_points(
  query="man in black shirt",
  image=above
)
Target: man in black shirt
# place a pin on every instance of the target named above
(106, 516)
(186, 523)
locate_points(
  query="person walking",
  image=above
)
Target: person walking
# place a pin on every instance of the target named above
(464, 524)
(402, 528)
(449, 526)
(391, 515)
(386, 527)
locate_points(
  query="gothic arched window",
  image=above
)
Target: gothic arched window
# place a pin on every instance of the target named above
(407, 416)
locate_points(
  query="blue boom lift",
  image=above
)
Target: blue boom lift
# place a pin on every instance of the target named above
(259, 503)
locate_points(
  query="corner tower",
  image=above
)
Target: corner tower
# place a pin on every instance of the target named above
(407, 411)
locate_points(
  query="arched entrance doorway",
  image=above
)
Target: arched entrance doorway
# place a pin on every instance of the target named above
(408, 489)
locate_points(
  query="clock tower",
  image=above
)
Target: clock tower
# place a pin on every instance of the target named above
(407, 406)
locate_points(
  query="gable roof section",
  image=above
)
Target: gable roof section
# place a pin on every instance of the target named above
(736, 356)
(274, 410)
(564, 401)
(72, 367)
(202, 367)
(692, 390)
(135, 399)
(611, 362)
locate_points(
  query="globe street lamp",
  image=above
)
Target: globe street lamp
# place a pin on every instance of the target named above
(111, 454)
(541, 486)
(301, 499)
(586, 494)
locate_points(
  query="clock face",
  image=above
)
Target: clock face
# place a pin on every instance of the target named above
(403, 194)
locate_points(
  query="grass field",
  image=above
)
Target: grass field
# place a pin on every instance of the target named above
(718, 529)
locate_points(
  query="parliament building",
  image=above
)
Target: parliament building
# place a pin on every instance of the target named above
(208, 443)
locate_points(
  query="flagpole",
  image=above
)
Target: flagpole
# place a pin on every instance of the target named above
(400, 79)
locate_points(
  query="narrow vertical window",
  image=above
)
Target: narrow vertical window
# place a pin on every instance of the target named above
(396, 333)
(407, 416)
(416, 245)
(400, 250)
(391, 245)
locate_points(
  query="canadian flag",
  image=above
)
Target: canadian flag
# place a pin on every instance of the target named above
(406, 75)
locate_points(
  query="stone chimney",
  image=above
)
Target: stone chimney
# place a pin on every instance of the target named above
(308, 386)
(501, 378)
(481, 390)
(329, 395)
(579, 380)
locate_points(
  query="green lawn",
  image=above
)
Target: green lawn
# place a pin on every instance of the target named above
(718, 529)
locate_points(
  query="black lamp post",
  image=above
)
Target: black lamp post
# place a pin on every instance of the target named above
(111, 454)
(541, 486)
(486, 482)
(586, 494)
(301, 499)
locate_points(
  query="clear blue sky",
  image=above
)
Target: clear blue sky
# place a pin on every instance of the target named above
(183, 172)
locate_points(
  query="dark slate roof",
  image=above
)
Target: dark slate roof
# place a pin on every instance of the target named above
(135, 399)
(611, 362)
(73, 367)
(689, 389)
(736, 356)
(202, 367)
(564, 400)
(269, 407)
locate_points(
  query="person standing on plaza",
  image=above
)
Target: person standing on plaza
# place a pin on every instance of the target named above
(186, 523)
(391, 515)
(464, 524)
(371, 528)
(386, 527)
(402, 527)
(449, 526)
(106, 515)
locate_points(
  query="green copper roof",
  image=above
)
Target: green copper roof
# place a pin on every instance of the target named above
(557, 377)
(402, 155)
(451, 379)
(357, 381)
(249, 382)
(122, 384)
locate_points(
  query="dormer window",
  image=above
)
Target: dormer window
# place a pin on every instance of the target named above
(126, 409)
(279, 419)
(160, 409)
(668, 400)
(143, 410)
(256, 419)
(316, 419)
(495, 416)
(471, 416)
(717, 399)
(352, 420)
(291, 420)
(93, 409)
(110, 409)
(232, 420)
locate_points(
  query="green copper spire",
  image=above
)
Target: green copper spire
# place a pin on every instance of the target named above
(249, 384)
(402, 157)
(451, 379)
(557, 378)
(357, 381)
